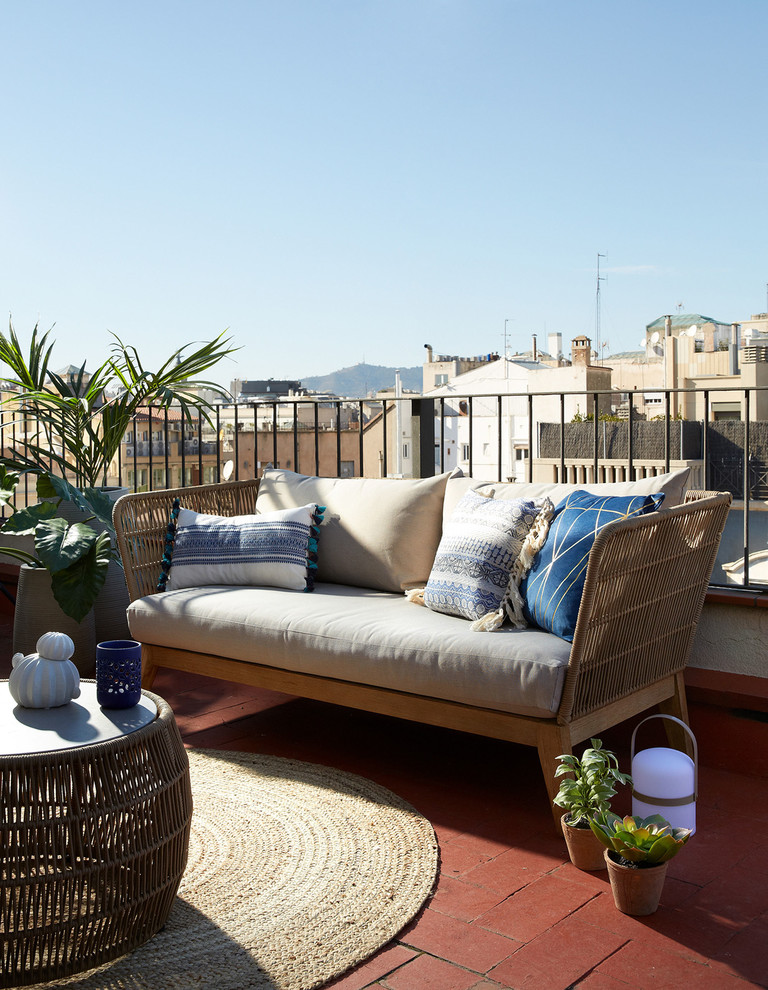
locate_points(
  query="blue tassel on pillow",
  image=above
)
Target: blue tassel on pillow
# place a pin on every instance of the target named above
(170, 538)
(314, 532)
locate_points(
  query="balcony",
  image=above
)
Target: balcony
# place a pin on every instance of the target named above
(509, 910)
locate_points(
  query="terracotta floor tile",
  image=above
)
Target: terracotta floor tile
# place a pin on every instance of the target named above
(652, 931)
(488, 847)
(746, 954)
(704, 857)
(456, 860)
(463, 900)
(537, 907)
(660, 970)
(756, 859)
(514, 869)
(428, 973)
(382, 964)
(597, 880)
(558, 958)
(601, 981)
(457, 941)
(737, 897)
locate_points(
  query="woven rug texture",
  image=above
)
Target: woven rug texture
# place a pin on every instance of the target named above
(296, 873)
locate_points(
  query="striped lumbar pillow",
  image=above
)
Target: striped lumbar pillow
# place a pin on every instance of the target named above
(274, 549)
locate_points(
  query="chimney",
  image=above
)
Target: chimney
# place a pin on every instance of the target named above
(429, 353)
(535, 352)
(580, 351)
(733, 350)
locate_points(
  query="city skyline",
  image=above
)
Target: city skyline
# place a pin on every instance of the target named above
(340, 183)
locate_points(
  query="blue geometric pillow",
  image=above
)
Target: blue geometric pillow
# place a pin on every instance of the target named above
(273, 549)
(553, 587)
(480, 544)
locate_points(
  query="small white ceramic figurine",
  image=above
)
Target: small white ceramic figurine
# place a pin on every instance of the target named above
(48, 678)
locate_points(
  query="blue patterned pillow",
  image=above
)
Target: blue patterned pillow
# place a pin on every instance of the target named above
(273, 549)
(480, 544)
(553, 586)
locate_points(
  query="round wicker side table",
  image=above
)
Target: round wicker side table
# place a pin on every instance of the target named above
(93, 838)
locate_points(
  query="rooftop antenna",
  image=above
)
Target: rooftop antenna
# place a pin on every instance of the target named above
(597, 308)
(506, 349)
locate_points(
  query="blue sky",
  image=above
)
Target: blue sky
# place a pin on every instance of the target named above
(345, 181)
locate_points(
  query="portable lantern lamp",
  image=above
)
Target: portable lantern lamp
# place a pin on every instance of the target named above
(665, 781)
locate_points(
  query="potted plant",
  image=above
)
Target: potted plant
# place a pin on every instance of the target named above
(78, 423)
(585, 792)
(637, 852)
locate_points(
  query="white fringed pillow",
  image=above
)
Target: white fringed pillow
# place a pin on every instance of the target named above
(482, 557)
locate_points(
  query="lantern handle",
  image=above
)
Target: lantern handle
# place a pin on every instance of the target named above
(672, 718)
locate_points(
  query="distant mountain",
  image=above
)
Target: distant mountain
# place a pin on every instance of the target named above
(362, 379)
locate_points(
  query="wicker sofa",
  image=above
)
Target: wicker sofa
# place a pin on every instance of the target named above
(357, 641)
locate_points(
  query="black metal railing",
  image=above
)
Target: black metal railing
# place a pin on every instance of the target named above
(510, 437)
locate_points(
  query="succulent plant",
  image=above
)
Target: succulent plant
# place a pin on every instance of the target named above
(586, 794)
(640, 841)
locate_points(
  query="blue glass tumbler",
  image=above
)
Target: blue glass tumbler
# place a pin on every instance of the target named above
(118, 673)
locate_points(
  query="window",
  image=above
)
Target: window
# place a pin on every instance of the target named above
(441, 379)
(347, 469)
(406, 451)
(465, 452)
(521, 453)
(158, 478)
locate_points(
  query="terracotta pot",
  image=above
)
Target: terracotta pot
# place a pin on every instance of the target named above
(584, 847)
(635, 891)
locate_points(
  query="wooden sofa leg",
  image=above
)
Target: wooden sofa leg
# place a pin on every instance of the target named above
(553, 740)
(677, 705)
(148, 669)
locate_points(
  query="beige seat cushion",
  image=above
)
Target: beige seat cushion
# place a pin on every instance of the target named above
(363, 636)
(378, 533)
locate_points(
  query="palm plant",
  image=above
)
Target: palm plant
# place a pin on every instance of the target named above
(79, 425)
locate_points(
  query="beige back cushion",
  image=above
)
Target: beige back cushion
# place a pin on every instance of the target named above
(378, 533)
(673, 485)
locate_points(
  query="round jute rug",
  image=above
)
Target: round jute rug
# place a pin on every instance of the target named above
(296, 873)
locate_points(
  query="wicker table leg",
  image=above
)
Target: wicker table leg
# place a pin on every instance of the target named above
(93, 845)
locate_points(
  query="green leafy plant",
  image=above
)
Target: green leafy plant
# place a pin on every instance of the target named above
(77, 426)
(640, 842)
(591, 783)
(80, 422)
(75, 554)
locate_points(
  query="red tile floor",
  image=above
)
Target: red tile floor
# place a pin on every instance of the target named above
(508, 909)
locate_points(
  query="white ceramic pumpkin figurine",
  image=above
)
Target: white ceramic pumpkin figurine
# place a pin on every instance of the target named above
(48, 678)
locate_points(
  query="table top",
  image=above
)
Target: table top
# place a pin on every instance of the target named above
(81, 722)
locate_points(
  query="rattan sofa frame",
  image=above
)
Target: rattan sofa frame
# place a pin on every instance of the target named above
(644, 591)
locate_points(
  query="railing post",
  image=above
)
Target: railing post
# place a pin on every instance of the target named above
(747, 487)
(499, 421)
(596, 438)
(530, 438)
(423, 433)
